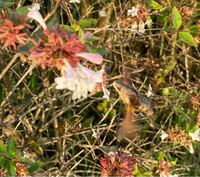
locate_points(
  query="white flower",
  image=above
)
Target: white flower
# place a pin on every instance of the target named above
(164, 135)
(35, 14)
(106, 93)
(74, 1)
(95, 133)
(191, 149)
(164, 175)
(195, 135)
(141, 27)
(79, 80)
(175, 175)
(148, 22)
(149, 92)
(133, 12)
(102, 13)
(134, 27)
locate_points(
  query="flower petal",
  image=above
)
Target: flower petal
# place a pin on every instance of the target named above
(191, 149)
(35, 14)
(61, 83)
(164, 135)
(92, 57)
(195, 135)
(106, 93)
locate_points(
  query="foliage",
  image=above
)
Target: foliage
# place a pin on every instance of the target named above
(153, 46)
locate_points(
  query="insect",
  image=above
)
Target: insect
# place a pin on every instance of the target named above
(134, 102)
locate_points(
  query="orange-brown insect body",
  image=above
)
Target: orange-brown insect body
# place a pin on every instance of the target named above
(133, 101)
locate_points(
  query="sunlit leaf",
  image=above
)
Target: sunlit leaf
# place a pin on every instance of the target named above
(194, 29)
(11, 149)
(187, 38)
(176, 18)
(112, 113)
(36, 147)
(35, 166)
(154, 5)
(161, 156)
(87, 22)
(2, 147)
(10, 167)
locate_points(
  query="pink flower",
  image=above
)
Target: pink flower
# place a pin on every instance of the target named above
(58, 46)
(92, 57)
(12, 34)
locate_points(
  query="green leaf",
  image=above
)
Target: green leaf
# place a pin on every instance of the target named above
(161, 156)
(154, 5)
(5, 4)
(176, 18)
(35, 166)
(187, 38)
(69, 28)
(23, 10)
(26, 48)
(2, 147)
(87, 22)
(10, 167)
(11, 149)
(194, 29)
(53, 21)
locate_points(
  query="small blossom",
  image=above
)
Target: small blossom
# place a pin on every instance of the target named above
(148, 22)
(134, 27)
(133, 12)
(75, 1)
(149, 92)
(21, 169)
(117, 164)
(95, 133)
(164, 135)
(195, 135)
(35, 14)
(177, 135)
(191, 149)
(175, 175)
(164, 169)
(79, 80)
(102, 13)
(106, 93)
(141, 27)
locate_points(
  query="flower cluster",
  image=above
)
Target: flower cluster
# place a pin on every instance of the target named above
(56, 47)
(137, 18)
(117, 164)
(64, 51)
(12, 34)
(21, 169)
(80, 80)
(164, 169)
(195, 102)
(174, 134)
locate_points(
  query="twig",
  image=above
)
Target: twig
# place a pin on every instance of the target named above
(9, 65)
(14, 88)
